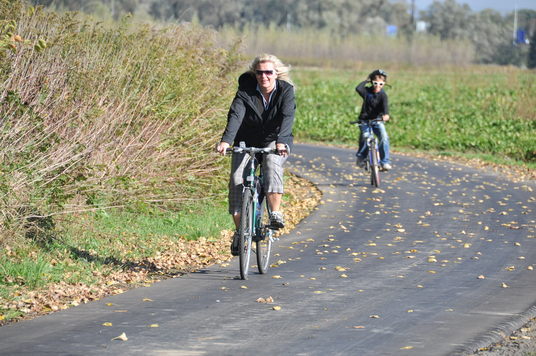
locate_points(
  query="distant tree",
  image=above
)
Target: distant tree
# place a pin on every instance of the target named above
(398, 14)
(100, 7)
(489, 32)
(448, 19)
(531, 60)
(214, 13)
(491, 38)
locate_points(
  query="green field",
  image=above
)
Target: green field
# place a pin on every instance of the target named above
(488, 111)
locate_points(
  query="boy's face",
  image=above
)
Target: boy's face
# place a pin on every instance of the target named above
(377, 83)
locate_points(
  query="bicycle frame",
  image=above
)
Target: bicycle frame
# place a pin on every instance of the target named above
(257, 235)
(372, 164)
(252, 228)
(372, 142)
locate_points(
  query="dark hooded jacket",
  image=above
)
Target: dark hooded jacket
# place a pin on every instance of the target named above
(246, 123)
(375, 105)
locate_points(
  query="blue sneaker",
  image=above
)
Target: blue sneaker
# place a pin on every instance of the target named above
(360, 162)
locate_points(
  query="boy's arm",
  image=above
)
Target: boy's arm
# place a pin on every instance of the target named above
(361, 88)
(385, 108)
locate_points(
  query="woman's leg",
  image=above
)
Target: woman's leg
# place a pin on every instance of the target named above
(238, 164)
(273, 184)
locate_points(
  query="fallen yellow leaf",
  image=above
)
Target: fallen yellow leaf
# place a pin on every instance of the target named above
(276, 308)
(107, 324)
(123, 337)
(153, 326)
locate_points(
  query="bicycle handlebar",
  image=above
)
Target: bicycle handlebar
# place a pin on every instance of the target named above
(252, 150)
(362, 122)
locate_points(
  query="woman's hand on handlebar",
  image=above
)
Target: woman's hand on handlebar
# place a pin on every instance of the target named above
(222, 147)
(282, 149)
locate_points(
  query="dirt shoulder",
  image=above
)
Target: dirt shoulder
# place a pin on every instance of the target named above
(181, 258)
(520, 342)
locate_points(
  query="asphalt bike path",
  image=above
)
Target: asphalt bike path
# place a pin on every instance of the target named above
(434, 262)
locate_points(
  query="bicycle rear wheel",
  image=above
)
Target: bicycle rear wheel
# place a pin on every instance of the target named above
(375, 169)
(246, 233)
(264, 244)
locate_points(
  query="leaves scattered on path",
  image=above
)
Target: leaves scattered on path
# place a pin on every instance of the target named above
(178, 259)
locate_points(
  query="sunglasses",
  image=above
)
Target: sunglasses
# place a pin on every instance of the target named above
(268, 73)
(375, 83)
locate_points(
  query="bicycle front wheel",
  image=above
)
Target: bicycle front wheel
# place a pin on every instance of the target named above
(246, 233)
(264, 244)
(375, 169)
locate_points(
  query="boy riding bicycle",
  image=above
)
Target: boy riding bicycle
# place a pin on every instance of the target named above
(375, 105)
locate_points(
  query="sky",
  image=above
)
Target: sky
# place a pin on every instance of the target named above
(503, 6)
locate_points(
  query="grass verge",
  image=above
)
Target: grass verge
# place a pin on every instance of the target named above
(111, 253)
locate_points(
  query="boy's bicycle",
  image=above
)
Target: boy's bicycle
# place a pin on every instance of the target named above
(372, 164)
(255, 214)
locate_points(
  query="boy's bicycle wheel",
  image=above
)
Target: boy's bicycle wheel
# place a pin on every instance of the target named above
(375, 169)
(264, 244)
(246, 232)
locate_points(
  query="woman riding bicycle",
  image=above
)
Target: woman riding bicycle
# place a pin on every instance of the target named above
(375, 105)
(261, 115)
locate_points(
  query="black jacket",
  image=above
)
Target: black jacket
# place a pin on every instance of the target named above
(245, 123)
(374, 104)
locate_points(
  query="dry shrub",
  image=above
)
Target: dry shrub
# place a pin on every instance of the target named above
(108, 117)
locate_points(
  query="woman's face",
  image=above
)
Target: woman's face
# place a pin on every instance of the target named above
(266, 76)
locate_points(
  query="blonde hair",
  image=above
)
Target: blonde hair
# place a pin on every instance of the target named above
(281, 69)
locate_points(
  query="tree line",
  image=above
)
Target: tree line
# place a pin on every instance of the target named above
(490, 32)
